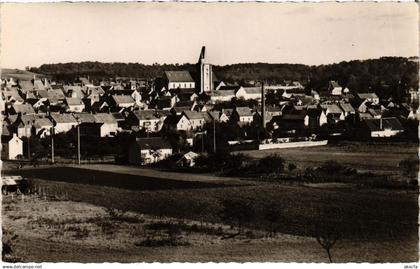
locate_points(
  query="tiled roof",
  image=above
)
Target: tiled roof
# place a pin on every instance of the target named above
(84, 117)
(145, 114)
(26, 85)
(243, 111)
(42, 122)
(387, 123)
(23, 108)
(334, 109)
(123, 99)
(178, 76)
(74, 101)
(63, 118)
(367, 95)
(153, 143)
(346, 107)
(191, 115)
(104, 118)
(252, 90)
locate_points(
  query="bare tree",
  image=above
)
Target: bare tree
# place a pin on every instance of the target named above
(327, 241)
(329, 228)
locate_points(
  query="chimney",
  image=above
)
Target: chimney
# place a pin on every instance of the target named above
(262, 105)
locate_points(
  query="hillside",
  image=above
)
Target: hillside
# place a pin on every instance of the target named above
(19, 74)
(387, 76)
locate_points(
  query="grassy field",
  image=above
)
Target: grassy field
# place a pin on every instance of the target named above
(365, 211)
(73, 222)
(67, 231)
(370, 157)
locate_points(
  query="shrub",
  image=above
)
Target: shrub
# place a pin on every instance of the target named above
(237, 211)
(291, 167)
(79, 232)
(331, 167)
(271, 164)
(409, 166)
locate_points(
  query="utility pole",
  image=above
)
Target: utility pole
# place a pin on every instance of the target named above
(262, 105)
(202, 142)
(29, 147)
(52, 145)
(78, 144)
(214, 135)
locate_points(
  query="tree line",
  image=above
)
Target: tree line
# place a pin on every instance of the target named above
(387, 76)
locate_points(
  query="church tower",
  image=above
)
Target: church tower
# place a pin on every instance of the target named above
(206, 73)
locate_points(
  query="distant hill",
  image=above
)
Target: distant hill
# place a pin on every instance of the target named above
(7, 73)
(387, 76)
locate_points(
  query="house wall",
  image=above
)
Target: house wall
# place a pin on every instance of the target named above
(64, 127)
(108, 128)
(336, 91)
(183, 124)
(293, 145)
(24, 131)
(221, 98)
(150, 125)
(14, 148)
(206, 79)
(323, 119)
(385, 133)
(76, 108)
(246, 119)
(125, 105)
(149, 156)
(183, 85)
(43, 131)
(197, 123)
(241, 93)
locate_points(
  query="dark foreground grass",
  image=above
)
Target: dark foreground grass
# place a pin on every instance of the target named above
(358, 213)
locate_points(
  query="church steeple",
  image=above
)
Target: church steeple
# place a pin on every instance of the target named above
(202, 54)
(206, 73)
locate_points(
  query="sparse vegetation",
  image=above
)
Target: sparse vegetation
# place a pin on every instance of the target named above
(409, 167)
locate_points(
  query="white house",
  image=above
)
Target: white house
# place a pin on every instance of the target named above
(178, 79)
(188, 159)
(178, 122)
(333, 110)
(43, 127)
(248, 93)
(74, 104)
(63, 122)
(369, 97)
(384, 127)
(149, 150)
(222, 96)
(123, 101)
(196, 119)
(109, 125)
(11, 147)
(145, 120)
(334, 88)
(242, 115)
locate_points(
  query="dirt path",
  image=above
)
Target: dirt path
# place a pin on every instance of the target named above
(154, 173)
(64, 231)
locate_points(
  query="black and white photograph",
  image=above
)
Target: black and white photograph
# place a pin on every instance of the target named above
(209, 132)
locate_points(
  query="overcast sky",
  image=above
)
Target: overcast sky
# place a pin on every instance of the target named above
(309, 33)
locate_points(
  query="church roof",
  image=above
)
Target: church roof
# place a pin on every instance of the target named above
(178, 76)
